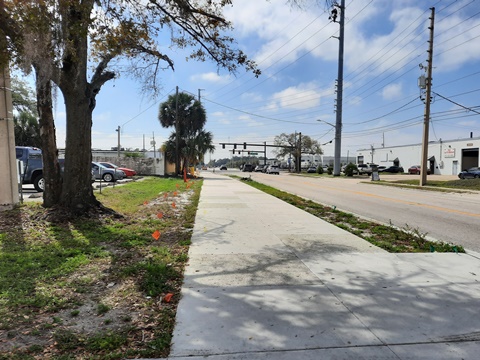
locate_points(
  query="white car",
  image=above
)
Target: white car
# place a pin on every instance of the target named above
(273, 169)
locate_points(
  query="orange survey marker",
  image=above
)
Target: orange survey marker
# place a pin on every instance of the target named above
(156, 235)
(160, 215)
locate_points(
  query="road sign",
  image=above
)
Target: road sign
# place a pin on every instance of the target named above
(253, 153)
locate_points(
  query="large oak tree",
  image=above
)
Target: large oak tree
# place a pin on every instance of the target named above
(73, 43)
(296, 145)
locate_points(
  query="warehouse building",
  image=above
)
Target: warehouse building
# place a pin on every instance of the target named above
(445, 157)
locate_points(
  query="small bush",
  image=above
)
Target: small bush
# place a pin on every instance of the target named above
(350, 169)
(320, 169)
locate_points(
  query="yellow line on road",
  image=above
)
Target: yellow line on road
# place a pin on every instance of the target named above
(438, 208)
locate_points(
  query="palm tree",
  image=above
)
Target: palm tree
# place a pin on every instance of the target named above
(203, 144)
(191, 137)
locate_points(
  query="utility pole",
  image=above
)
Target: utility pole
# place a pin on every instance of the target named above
(118, 142)
(154, 153)
(154, 145)
(177, 136)
(299, 152)
(338, 123)
(265, 153)
(8, 177)
(199, 96)
(426, 120)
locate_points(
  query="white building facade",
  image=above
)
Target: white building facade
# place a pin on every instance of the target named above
(447, 157)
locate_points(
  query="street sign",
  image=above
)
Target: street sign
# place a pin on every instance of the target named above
(253, 153)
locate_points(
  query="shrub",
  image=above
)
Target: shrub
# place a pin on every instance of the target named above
(350, 169)
(319, 169)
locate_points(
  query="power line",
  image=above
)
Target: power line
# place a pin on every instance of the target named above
(453, 102)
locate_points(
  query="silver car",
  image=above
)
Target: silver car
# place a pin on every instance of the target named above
(273, 169)
(103, 173)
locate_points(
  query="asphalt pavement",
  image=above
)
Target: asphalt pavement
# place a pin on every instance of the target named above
(266, 280)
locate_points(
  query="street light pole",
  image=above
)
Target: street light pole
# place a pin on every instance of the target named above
(118, 142)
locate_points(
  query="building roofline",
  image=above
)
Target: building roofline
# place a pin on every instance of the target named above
(417, 144)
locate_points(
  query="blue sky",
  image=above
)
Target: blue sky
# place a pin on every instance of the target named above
(296, 49)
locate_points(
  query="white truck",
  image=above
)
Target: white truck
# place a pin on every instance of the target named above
(366, 168)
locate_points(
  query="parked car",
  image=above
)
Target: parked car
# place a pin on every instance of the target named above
(259, 168)
(223, 167)
(392, 169)
(247, 167)
(312, 169)
(128, 172)
(473, 172)
(416, 169)
(273, 169)
(105, 173)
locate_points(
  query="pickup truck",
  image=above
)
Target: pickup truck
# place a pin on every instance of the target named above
(32, 166)
(365, 168)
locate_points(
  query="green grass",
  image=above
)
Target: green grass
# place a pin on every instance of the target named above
(386, 237)
(48, 270)
(466, 184)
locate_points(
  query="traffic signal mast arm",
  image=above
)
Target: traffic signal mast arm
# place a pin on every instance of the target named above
(261, 145)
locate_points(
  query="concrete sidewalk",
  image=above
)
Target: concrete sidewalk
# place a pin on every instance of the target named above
(266, 280)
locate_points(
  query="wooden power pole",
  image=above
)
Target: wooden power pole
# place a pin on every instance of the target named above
(426, 120)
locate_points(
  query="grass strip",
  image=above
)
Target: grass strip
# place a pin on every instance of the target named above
(95, 287)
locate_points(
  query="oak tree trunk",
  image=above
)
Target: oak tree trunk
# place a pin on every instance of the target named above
(51, 167)
(79, 96)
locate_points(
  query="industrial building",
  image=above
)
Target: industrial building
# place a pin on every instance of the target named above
(445, 157)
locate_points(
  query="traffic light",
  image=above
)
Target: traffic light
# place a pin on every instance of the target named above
(223, 146)
(248, 152)
(244, 145)
(234, 146)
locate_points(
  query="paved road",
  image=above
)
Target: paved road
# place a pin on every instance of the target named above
(451, 217)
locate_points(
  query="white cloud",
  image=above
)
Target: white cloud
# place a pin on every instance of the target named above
(392, 91)
(303, 96)
(251, 96)
(211, 77)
